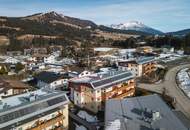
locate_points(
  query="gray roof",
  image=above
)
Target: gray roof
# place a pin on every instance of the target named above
(16, 115)
(144, 60)
(114, 78)
(137, 114)
(105, 80)
(48, 77)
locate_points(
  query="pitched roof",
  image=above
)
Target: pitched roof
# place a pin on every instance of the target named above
(144, 60)
(104, 80)
(11, 84)
(137, 114)
(48, 77)
(141, 60)
(112, 79)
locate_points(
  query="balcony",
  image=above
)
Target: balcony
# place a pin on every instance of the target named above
(115, 91)
(44, 124)
(125, 94)
(149, 67)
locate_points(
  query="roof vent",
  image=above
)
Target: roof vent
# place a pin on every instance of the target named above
(32, 97)
(156, 115)
(149, 115)
(5, 106)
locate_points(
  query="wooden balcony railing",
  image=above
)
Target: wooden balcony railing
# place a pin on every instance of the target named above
(125, 94)
(149, 70)
(115, 94)
(149, 67)
(45, 124)
(117, 89)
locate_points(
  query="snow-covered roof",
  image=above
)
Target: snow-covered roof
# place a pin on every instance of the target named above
(141, 113)
(105, 79)
(25, 107)
(103, 49)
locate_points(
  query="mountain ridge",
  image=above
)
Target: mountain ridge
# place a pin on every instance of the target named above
(182, 32)
(56, 24)
(137, 26)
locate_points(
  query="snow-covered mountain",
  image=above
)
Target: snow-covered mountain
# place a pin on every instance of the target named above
(136, 26)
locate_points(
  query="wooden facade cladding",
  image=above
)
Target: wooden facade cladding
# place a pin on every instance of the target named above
(148, 68)
(125, 94)
(125, 89)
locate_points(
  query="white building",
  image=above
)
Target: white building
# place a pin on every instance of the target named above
(52, 80)
(84, 73)
(50, 59)
(11, 60)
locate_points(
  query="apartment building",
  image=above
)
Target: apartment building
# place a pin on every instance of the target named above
(91, 92)
(38, 110)
(139, 67)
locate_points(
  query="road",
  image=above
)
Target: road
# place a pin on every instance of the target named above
(172, 89)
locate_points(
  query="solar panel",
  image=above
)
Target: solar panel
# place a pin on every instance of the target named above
(111, 79)
(144, 60)
(30, 109)
(55, 101)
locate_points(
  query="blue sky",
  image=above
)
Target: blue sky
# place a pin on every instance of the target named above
(165, 15)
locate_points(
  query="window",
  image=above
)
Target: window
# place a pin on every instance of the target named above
(5, 92)
(20, 128)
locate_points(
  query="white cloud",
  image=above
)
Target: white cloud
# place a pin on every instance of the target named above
(151, 12)
(162, 14)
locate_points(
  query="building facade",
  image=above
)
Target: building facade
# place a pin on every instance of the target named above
(12, 87)
(140, 67)
(39, 110)
(91, 92)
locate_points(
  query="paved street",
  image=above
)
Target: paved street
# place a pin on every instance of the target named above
(169, 83)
